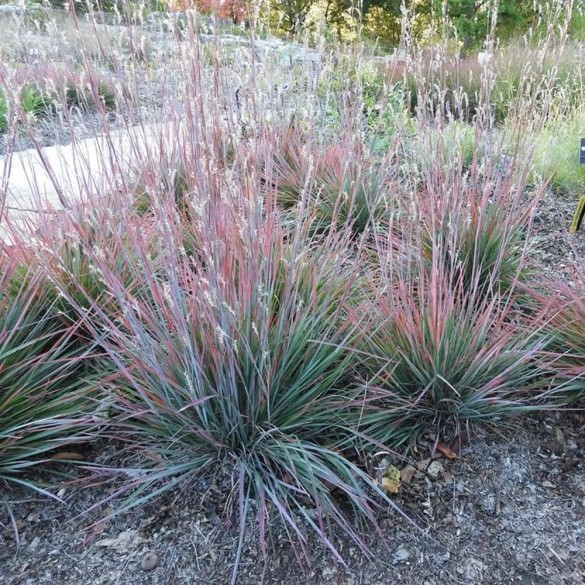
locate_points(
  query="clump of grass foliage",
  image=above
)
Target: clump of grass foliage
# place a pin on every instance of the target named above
(438, 356)
(238, 363)
(566, 350)
(70, 250)
(475, 224)
(337, 185)
(449, 333)
(45, 387)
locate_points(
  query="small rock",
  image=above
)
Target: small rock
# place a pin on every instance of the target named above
(422, 465)
(33, 517)
(149, 561)
(327, 573)
(401, 555)
(488, 504)
(441, 558)
(435, 470)
(473, 571)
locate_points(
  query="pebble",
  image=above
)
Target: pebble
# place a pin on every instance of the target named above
(401, 555)
(327, 573)
(33, 517)
(488, 504)
(435, 470)
(149, 561)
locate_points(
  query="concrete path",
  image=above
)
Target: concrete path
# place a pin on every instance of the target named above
(52, 176)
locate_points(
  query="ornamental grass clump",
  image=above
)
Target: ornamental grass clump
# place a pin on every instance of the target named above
(46, 389)
(471, 216)
(239, 367)
(482, 251)
(566, 350)
(69, 253)
(350, 192)
(438, 356)
(337, 184)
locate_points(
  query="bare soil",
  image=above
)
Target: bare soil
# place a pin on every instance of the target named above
(510, 510)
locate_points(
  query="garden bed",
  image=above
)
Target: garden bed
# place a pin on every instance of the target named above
(511, 510)
(325, 309)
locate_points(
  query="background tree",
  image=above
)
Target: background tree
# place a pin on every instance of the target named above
(471, 18)
(294, 12)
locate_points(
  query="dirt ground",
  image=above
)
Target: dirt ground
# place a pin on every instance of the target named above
(510, 510)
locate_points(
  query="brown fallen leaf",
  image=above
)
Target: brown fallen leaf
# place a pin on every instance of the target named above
(447, 451)
(123, 542)
(67, 456)
(407, 473)
(96, 529)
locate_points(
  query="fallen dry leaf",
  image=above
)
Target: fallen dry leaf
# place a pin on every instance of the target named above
(447, 451)
(407, 473)
(97, 529)
(557, 443)
(122, 543)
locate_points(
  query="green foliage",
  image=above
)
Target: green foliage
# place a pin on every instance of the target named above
(294, 12)
(85, 98)
(44, 404)
(437, 357)
(556, 155)
(3, 112)
(472, 19)
(566, 314)
(36, 104)
(578, 26)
